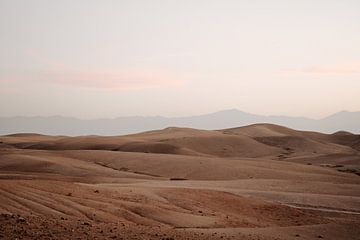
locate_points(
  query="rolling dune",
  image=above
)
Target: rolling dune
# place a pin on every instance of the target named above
(256, 182)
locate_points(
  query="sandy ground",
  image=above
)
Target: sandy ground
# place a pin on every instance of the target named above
(257, 182)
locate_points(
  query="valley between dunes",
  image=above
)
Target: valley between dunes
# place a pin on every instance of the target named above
(261, 181)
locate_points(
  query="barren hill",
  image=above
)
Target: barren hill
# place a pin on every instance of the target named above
(258, 140)
(252, 182)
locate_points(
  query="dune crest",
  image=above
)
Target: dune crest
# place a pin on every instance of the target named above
(180, 183)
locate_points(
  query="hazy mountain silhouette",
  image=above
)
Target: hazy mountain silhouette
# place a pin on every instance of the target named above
(57, 125)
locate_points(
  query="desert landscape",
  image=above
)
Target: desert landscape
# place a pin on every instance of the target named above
(179, 120)
(261, 181)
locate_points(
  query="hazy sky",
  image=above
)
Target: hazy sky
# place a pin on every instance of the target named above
(94, 59)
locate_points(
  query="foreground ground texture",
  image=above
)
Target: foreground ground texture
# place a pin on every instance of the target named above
(256, 182)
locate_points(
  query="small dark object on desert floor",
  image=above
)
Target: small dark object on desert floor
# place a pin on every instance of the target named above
(178, 179)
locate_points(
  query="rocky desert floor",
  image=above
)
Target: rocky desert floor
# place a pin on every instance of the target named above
(257, 182)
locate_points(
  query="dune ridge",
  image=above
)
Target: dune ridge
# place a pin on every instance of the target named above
(252, 182)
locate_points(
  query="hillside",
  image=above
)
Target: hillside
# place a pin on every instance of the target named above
(259, 140)
(180, 183)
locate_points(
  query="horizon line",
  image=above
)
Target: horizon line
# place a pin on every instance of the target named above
(185, 116)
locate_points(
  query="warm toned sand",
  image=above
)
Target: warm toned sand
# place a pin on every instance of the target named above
(257, 182)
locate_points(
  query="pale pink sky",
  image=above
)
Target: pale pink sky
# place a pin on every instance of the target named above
(96, 59)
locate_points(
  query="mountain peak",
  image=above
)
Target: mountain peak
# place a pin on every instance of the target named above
(231, 111)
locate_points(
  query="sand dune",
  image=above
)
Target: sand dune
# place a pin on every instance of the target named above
(256, 182)
(259, 140)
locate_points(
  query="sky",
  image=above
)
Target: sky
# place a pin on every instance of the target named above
(109, 58)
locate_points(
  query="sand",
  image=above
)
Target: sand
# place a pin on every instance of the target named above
(256, 182)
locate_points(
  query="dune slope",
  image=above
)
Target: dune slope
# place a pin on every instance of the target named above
(257, 182)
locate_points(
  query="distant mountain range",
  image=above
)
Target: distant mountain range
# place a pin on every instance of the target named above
(56, 125)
